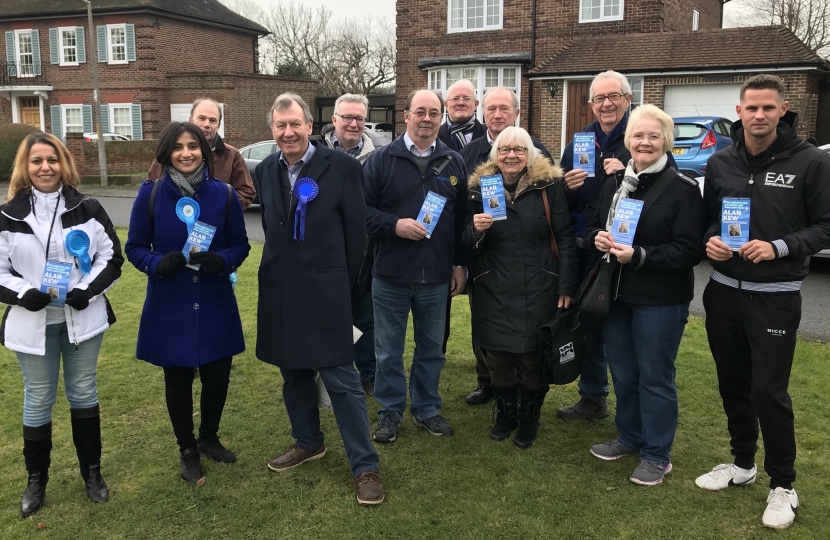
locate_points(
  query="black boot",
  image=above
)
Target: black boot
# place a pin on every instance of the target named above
(86, 432)
(190, 465)
(505, 412)
(37, 448)
(530, 407)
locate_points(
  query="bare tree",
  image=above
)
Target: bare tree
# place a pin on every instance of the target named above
(807, 19)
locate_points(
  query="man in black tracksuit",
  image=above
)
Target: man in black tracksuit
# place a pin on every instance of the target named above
(753, 300)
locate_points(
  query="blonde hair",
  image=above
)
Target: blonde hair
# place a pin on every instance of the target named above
(515, 135)
(650, 111)
(20, 172)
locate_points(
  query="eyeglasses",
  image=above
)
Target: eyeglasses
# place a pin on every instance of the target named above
(348, 119)
(456, 99)
(420, 113)
(518, 150)
(615, 97)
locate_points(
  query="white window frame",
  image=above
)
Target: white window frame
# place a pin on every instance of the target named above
(62, 48)
(695, 20)
(65, 124)
(479, 81)
(486, 27)
(18, 63)
(637, 90)
(129, 107)
(602, 17)
(111, 45)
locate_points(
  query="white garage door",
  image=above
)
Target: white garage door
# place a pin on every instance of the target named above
(703, 100)
(180, 112)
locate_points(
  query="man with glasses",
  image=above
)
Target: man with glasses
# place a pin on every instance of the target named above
(412, 272)
(462, 126)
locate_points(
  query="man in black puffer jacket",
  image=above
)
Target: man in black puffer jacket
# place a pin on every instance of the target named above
(753, 301)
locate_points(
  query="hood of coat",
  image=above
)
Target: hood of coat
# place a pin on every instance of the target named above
(541, 174)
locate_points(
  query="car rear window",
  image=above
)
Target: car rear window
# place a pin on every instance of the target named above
(688, 132)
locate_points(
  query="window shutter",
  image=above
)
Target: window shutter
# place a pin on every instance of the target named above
(138, 132)
(105, 118)
(57, 130)
(102, 43)
(36, 51)
(86, 115)
(10, 56)
(130, 38)
(80, 43)
(54, 50)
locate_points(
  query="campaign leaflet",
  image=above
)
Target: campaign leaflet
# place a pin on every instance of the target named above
(199, 240)
(625, 221)
(431, 211)
(734, 222)
(55, 281)
(585, 152)
(492, 196)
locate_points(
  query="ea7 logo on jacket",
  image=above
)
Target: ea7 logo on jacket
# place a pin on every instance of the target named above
(779, 180)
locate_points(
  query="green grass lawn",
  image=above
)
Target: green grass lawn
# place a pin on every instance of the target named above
(465, 486)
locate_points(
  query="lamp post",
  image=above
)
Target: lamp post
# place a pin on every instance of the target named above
(102, 151)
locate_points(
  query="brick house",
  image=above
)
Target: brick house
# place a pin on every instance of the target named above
(674, 52)
(154, 58)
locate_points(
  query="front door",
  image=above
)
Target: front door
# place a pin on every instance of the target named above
(579, 108)
(30, 111)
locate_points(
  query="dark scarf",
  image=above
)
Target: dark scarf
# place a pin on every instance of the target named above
(458, 132)
(603, 139)
(187, 185)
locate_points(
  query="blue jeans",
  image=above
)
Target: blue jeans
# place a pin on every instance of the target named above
(641, 343)
(364, 320)
(593, 379)
(392, 303)
(40, 375)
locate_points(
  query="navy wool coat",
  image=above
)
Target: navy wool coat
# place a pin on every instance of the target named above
(190, 318)
(304, 317)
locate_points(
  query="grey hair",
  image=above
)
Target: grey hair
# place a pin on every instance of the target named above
(352, 98)
(655, 113)
(611, 74)
(463, 82)
(513, 134)
(200, 101)
(512, 94)
(285, 101)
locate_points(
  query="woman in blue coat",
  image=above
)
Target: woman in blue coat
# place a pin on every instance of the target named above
(190, 317)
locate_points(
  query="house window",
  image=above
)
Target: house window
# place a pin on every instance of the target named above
(68, 46)
(435, 77)
(117, 43)
(695, 19)
(482, 77)
(636, 92)
(73, 120)
(25, 53)
(600, 10)
(121, 119)
(470, 15)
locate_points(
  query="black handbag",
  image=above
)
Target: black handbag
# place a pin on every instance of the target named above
(594, 294)
(562, 347)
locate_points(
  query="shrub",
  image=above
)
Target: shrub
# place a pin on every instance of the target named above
(11, 135)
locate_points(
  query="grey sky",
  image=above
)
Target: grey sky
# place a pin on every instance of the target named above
(343, 9)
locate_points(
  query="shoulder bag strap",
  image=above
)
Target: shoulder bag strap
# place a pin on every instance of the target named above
(553, 247)
(152, 200)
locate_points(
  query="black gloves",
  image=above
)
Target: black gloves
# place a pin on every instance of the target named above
(170, 264)
(212, 262)
(34, 300)
(78, 299)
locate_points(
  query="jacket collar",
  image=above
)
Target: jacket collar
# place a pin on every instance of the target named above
(398, 148)
(539, 175)
(787, 140)
(19, 207)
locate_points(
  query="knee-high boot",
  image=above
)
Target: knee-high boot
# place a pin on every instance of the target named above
(86, 433)
(37, 449)
(505, 412)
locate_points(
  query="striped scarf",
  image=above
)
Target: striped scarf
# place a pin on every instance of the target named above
(187, 185)
(629, 185)
(458, 133)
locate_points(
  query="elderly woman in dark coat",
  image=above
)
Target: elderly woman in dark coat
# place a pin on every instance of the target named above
(518, 281)
(190, 317)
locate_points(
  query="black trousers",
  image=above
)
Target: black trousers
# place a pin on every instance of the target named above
(178, 388)
(752, 337)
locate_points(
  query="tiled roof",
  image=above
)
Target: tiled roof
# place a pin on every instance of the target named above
(210, 11)
(725, 48)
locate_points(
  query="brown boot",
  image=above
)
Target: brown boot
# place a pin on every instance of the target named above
(294, 457)
(369, 489)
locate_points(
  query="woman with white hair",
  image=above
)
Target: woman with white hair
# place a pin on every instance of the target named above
(519, 281)
(652, 289)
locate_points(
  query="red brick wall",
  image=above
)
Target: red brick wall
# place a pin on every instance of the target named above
(122, 156)
(677, 14)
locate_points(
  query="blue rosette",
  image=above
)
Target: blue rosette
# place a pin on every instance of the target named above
(306, 190)
(77, 245)
(188, 211)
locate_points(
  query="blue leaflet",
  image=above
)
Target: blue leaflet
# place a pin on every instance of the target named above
(431, 211)
(198, 240)
(585, 152)
(625, 221)
(55, 281)
(492, 196)
(734, 223)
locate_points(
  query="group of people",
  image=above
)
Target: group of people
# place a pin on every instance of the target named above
(345, 247)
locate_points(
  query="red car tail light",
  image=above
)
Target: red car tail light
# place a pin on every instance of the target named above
(709, 140)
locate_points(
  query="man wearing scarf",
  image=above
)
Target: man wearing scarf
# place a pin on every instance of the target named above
(228, 164)
(462, 126)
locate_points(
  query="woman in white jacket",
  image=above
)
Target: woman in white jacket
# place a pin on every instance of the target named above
(58, 254)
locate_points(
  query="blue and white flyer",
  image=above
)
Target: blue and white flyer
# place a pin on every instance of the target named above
(492, 196)
(585, 152)
(625, 221)
(198, 240)
(55, 281)
(734, 222)
(431, 211)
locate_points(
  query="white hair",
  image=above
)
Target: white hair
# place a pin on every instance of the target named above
(463, 82)
(518, 136)
(506, 89)
(611, 74)
(352, 98)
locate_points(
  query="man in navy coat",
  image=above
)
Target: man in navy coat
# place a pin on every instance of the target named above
(314, 218)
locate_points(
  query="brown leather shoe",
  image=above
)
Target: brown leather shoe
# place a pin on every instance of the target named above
(369, 489)
(294, 457)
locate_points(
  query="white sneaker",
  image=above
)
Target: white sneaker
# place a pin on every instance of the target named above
(781, 506)
(725, 475)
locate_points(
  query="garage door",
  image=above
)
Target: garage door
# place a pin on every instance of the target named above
(703, 100)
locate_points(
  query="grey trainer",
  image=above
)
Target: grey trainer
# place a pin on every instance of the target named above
(586, 408)
(436, 425)
(612, 450)
(649, 473)
(387, 430)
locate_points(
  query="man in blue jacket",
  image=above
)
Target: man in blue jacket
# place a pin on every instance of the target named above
(411, 271)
